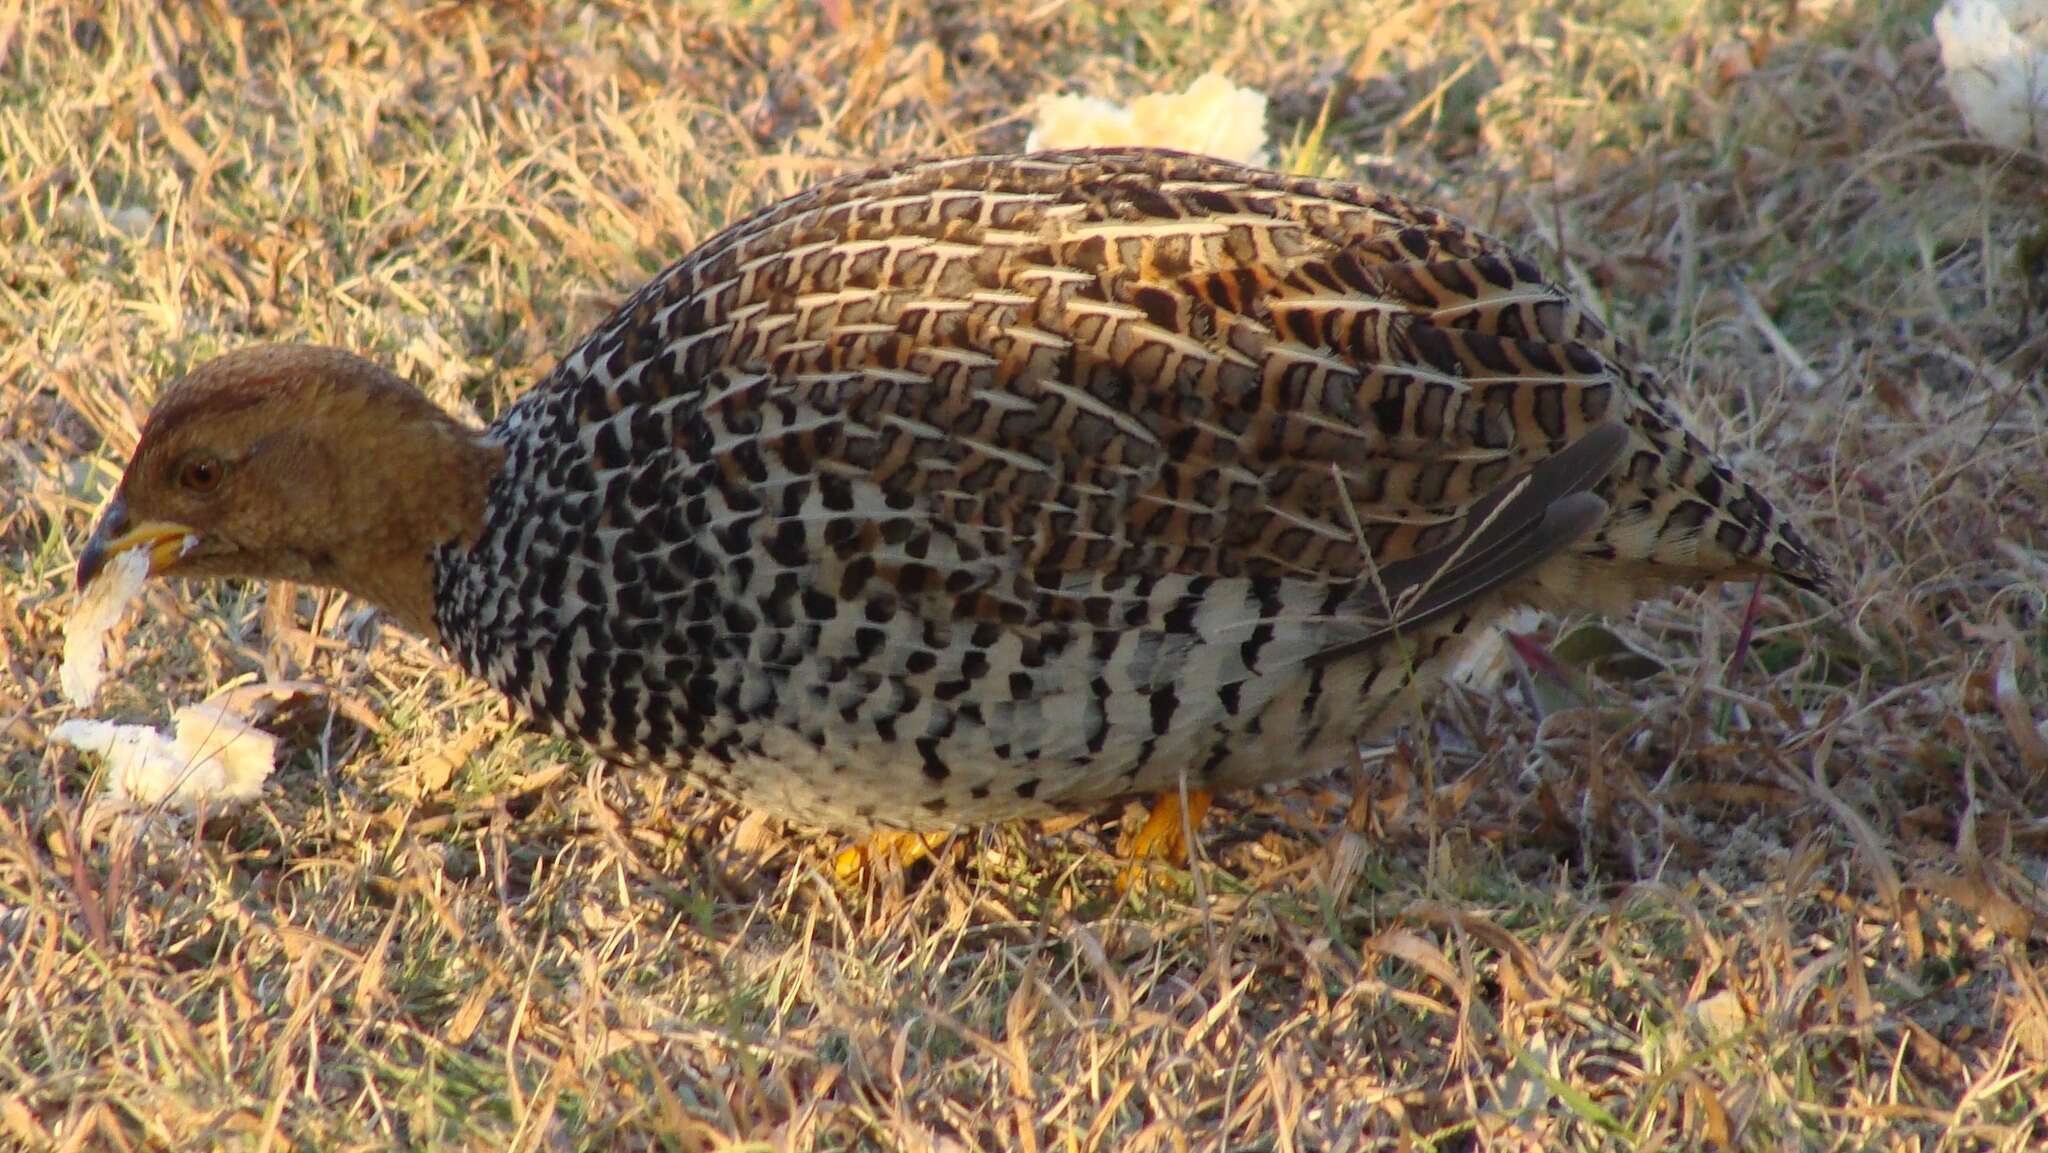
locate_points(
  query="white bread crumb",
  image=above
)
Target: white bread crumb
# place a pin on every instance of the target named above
(100, 607)
(1995, 55)
(1213, 117)
(214, 756)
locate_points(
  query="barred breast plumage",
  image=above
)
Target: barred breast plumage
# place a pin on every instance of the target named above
(980, 487)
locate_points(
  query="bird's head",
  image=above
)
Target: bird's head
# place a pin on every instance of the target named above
(298, 463)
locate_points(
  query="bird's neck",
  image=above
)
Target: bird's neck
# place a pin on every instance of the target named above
(431, 490)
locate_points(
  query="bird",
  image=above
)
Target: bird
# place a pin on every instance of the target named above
(976, 489)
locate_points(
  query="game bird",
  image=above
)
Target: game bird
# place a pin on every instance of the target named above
(982, 488)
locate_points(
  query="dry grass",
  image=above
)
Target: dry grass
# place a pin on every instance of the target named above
(1774, 891)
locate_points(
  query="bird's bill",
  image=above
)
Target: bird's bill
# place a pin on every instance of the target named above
(165, 540)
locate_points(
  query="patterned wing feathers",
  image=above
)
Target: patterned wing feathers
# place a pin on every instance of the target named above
(1131, 363)
(1515, 528)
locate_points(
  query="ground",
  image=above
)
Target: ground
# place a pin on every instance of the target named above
(1675, 882)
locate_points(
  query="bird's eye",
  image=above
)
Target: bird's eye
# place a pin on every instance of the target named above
(200, 474)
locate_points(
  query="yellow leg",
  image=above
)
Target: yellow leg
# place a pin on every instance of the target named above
(899, 849)
(1168, 830)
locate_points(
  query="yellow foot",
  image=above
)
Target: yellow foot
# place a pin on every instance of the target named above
(1167, 832)
(885, 848)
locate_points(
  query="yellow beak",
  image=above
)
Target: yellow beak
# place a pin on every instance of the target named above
(113, 536)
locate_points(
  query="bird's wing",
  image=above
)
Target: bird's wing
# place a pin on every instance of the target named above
(1028, 383)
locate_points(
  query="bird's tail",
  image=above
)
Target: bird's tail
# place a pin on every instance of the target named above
(1679, 515)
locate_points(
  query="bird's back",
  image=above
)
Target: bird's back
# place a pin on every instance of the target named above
(956, 491)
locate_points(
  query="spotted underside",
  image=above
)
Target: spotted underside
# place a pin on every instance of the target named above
(980, 487)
